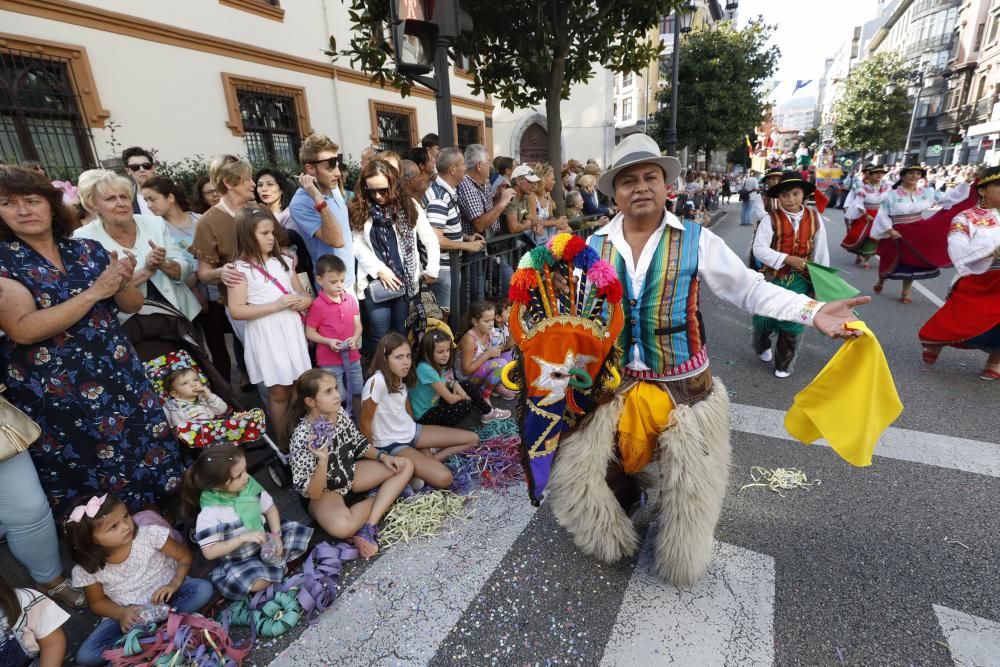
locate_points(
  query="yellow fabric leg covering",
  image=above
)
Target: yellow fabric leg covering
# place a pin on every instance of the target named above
(644, 417)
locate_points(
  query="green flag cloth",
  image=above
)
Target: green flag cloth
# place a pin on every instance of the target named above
(827, 285)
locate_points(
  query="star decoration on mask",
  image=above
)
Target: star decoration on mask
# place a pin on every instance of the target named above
(555, 377)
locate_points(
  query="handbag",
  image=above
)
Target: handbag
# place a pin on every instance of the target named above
(379, 293)
(17, 430)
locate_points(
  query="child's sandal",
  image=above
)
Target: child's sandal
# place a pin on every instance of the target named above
(68, 595)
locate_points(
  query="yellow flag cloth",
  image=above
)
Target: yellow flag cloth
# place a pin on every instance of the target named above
(850, 403)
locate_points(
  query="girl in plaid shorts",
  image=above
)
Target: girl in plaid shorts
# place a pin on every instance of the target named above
(232, 508)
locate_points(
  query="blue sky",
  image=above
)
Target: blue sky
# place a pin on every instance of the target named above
(808, 32)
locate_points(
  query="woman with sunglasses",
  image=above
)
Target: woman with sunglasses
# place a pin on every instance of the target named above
(386, 224)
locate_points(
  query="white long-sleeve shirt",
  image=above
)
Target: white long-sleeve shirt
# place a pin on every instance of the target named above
(899, 202)
(720, 269)
(974, 241)
(864, 197)
(765, 235)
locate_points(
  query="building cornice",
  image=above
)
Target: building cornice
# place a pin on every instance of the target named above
(89, 16)
(882, 32)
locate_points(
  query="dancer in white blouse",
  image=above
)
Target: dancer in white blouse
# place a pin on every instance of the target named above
(902, 253)
(970, 318)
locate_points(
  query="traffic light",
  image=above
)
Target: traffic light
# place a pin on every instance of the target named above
(414, 35)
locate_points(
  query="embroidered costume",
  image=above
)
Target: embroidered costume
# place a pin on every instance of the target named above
(780, 235)
(970, 318)
(860, 209)
(918, 254)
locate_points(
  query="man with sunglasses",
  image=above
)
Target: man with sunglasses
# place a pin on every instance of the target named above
(141, 166)
(318, 206)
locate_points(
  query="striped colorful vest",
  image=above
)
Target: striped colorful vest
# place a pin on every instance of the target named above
(663, 320)
(786, 240)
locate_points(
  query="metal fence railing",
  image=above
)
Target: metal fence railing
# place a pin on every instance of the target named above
(487, 274)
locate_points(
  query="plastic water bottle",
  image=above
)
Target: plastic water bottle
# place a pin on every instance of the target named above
(154, 613)
(269, 551)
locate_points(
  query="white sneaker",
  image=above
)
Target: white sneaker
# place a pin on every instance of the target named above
(416, 483)
(495, 413)
(766, 355)
(781, 374)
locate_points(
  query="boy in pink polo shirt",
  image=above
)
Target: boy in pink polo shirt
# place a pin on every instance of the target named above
(334, 324)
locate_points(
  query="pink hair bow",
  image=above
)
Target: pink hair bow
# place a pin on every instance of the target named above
(91, 509)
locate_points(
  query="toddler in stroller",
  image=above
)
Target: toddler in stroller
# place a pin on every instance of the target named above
(200, 418)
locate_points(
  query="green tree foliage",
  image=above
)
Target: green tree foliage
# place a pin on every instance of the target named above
(525, 53)
(867, 118)
(719, 94)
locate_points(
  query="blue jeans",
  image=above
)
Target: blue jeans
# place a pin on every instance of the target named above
(442, 287)
(25, 513)
(385, 317)
(190, 597)
(356, 378)
(746, 210)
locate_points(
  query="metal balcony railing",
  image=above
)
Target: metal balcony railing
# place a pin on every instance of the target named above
(947, 121)
(981, 110)
(936, 43)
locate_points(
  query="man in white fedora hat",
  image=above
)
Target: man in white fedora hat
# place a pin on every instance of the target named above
(668, 408)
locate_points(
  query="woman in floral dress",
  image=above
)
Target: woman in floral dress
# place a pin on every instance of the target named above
(66, 361)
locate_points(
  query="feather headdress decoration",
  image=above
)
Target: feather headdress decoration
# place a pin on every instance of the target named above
(565, 317)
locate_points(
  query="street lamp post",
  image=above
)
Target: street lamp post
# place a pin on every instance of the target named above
(683, 18)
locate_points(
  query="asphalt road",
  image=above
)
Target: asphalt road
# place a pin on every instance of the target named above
(895, 564)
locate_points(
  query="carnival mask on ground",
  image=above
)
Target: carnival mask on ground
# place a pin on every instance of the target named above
(565, 318)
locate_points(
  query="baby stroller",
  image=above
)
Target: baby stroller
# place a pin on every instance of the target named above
(167, 341)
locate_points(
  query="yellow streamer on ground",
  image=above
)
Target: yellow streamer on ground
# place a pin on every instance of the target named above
(780, 479)
(422, 515)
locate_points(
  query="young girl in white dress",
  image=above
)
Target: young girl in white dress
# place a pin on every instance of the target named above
(272, 300)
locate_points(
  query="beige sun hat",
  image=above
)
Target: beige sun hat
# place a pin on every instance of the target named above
(637, 149)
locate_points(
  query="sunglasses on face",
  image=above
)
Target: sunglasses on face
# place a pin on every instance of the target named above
(332, 163)
(377, 191)
(145, 166)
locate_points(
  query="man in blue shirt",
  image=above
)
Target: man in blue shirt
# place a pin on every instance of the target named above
(318, 209)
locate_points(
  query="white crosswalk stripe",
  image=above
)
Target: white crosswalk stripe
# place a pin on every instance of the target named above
(974, 641)
(727, 618)
(896, 443)
(403, 606)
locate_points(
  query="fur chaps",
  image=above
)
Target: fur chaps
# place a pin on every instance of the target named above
(694, 473)
(582, 501)
(692, 469)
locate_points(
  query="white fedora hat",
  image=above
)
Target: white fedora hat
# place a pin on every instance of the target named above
(637, 149)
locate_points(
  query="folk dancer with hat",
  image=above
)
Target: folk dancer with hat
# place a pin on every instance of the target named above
(906, 250)
(668, 407)
(860, 210)
(762, 207)
(791, 235)
(970, 318)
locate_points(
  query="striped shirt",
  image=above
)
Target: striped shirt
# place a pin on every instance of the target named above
(443, 213)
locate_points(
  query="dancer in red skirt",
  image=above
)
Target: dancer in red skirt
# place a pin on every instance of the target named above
(970, 318)
(860, 210)
(908, 248)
